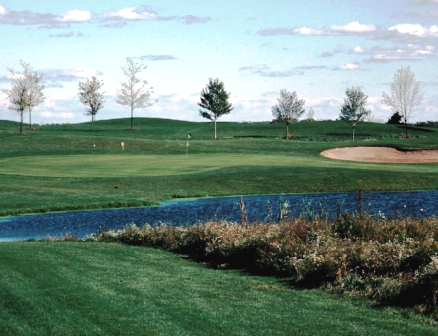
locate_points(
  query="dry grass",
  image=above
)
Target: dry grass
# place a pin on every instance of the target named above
(390, 261)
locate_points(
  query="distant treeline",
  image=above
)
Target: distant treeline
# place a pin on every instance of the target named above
(433, 124)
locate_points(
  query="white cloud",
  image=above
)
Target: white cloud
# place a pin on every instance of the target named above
(354, 27)
(386, 107)
(68, 75)
(2, 10)
(81, 72)
(62, 115)
(415, 29)
(357, 49)
(327, 101)
(75, 16)
(411, 52)
(432, 109)
(4, 100)
(56, 102)
(309, 31)
(130, 14)
(412, 29)
(349, 66)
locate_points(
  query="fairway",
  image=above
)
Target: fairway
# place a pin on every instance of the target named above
(163, 165)
(137, 165)
(57, 168)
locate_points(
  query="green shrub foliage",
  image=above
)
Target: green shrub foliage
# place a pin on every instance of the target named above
(395, 119)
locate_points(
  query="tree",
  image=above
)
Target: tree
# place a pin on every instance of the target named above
(35, 90)
(289, 109)
(406, 94)
(89, 95)
(310, 114)
(132, 94)
(395, 119)
(353, 110)
(214, 99)
(18, 95)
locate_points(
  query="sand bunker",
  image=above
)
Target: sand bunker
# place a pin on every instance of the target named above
(381, 154)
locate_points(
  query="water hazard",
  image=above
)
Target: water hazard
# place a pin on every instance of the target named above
(188, 212)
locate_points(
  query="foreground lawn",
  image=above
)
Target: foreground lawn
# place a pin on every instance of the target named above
(114, 289)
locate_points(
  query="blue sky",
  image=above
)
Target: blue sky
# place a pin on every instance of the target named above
(317, 49)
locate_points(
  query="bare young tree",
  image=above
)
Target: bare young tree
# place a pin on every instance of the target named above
(353, 110)
(132, 94)
(18, 96)
(89, 95)
(310, 114)
(289, 109)
(406, 94)
(35, 90)
(214, 99)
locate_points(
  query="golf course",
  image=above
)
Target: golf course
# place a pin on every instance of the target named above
(92, 288)
(78, 166)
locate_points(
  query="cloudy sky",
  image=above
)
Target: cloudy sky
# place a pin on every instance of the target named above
(316, 48)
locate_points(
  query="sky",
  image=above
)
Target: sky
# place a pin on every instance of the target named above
(256, 48)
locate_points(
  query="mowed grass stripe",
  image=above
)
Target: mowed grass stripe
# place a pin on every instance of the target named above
(162, 165)
(113, 289)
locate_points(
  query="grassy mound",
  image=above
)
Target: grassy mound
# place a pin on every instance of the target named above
(78, 166)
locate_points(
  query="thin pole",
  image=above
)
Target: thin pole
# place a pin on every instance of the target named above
(187, 148)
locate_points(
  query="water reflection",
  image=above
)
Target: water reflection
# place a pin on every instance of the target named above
(188, 212)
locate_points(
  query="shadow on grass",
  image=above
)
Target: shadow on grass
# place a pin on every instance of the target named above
(418, 129)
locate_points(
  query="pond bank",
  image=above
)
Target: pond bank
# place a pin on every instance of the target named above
(188, 212)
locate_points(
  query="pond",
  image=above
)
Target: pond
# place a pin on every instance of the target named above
(188, 212)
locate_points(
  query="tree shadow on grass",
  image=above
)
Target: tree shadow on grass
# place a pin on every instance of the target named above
(417, 129)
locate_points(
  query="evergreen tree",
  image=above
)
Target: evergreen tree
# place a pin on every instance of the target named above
(395, 119)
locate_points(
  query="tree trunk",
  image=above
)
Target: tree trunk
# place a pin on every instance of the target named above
(287, 131)
(30, 119)
(215, 130)
(406, 128)
(21, 122)
(132, 118)
(353, 132)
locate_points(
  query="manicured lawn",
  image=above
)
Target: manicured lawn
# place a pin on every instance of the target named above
(57, 167)
(113, 289)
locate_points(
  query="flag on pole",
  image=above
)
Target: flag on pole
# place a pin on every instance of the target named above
(187, 146)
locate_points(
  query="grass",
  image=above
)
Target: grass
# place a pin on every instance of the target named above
(113, 289)
(56, 167)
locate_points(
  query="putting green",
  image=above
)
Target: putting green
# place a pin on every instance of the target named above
(135, 165)
(162, 165)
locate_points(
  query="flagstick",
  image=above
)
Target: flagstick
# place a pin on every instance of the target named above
(187, 145)
(187, 149)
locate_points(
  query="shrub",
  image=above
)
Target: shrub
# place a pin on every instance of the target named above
(395, 119)
(391, 261)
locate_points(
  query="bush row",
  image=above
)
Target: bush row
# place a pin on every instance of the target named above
(391, 261)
